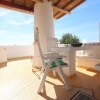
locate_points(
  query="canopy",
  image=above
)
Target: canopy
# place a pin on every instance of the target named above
(60, 7)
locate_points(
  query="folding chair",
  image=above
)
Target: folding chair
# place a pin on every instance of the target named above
(51, 61)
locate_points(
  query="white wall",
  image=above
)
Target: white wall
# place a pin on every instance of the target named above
(19, 51)
(94, 52)
(87, 61)
(43, 20)
(3, 55)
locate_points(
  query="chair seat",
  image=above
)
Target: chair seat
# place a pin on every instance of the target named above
(53, 64)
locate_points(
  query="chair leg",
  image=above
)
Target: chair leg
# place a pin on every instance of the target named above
(62, 75)
(58, 73)
(54, 73)
(41, 73)
(43, 79)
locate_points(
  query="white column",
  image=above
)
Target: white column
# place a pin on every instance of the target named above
(72, 63)
(43, 19)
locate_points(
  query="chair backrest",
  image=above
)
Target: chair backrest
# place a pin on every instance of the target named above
(51, 42)
(38, 42)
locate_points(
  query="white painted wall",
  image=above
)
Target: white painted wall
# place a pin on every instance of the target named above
(19, 51)
(3, 55)
(87, 61)
(43, 20)
(90, 57)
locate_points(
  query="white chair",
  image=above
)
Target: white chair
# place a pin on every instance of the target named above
(51, 42)
(51, 61)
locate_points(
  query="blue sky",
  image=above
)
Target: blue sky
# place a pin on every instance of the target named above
(17, 27)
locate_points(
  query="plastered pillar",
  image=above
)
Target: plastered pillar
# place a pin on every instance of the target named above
(43, 20)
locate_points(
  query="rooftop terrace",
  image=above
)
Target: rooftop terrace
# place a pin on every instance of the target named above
(18, 82)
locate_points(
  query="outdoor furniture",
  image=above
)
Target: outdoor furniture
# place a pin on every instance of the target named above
(52, 43)
(70, 52)
(51, 61)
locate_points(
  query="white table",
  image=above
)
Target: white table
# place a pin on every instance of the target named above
(71, 54)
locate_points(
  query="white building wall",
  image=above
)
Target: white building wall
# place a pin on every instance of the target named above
(3, 55)
(19, 51)
(15, 51)
(43, 20)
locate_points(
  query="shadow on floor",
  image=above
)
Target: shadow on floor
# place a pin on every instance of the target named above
(86, 79)
(3, 65)
(50, 74)
(19, 58)
(62, 93)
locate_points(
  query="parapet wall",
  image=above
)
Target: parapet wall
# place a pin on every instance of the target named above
(16, 51)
